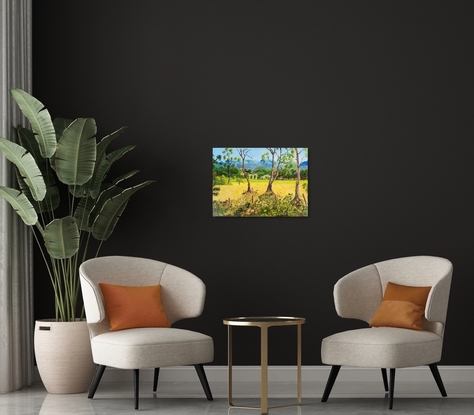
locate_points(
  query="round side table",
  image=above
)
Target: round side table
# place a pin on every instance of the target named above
(264, 323)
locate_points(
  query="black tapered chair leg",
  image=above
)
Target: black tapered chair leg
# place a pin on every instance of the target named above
(136, 379)
(202, 377)
(330, 383)
(155, 379)
(99, 371)
(385, 380)
(392, 387)
(437, 376)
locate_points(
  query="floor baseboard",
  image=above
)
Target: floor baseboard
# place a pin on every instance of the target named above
(288, 374)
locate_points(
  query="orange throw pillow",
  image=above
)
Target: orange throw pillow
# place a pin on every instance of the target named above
(402, 306)
(130, 307)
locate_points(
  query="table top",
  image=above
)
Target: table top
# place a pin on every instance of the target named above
(264, 321)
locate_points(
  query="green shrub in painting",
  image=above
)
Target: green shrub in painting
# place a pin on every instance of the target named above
(265, 205)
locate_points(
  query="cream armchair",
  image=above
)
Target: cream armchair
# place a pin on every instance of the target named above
(182, 296)
(359, 295)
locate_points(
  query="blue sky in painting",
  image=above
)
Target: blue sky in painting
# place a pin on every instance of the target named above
(254, 153)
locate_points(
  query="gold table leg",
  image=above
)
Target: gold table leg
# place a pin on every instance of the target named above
(298, 401)
(229, 356)
(264, 369)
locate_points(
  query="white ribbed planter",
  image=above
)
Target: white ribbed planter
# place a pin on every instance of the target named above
(63, 356)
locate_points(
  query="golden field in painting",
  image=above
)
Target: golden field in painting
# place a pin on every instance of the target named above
(233, 199)
(281, 188)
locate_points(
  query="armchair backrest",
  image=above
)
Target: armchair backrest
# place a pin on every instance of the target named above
(359, 294)
(182, 294)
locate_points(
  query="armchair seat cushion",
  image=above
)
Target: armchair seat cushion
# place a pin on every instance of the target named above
(143, 348)
(382, 347)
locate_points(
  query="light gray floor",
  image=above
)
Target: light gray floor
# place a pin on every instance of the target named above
(116, 398)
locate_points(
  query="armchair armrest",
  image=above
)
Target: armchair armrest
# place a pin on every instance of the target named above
(359, 294)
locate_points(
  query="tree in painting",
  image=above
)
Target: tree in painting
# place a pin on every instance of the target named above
(300, 156)
(279, 158)
(243, 153)
(228, 160)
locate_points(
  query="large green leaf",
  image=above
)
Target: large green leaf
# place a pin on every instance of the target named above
(51, 200)
(109, 191)
(60, 124)
(89, 208)
(104, 167)
(28, 141)
(27, 167)
(111, 211)
(83, 212)
(104, 143)
(76, 153)
(40, 120)
(94, 185)
(125, 176)
(20, 204)
(61, 238)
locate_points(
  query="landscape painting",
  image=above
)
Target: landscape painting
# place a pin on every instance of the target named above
(259, 182)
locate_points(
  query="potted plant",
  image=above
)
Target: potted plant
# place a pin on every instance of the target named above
(65, 197)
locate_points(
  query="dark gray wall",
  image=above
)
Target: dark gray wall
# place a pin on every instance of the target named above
(380, 92)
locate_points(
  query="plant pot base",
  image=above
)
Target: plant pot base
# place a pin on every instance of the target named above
(63, 355)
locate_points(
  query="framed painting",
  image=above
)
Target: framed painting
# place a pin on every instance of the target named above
(259, 182)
